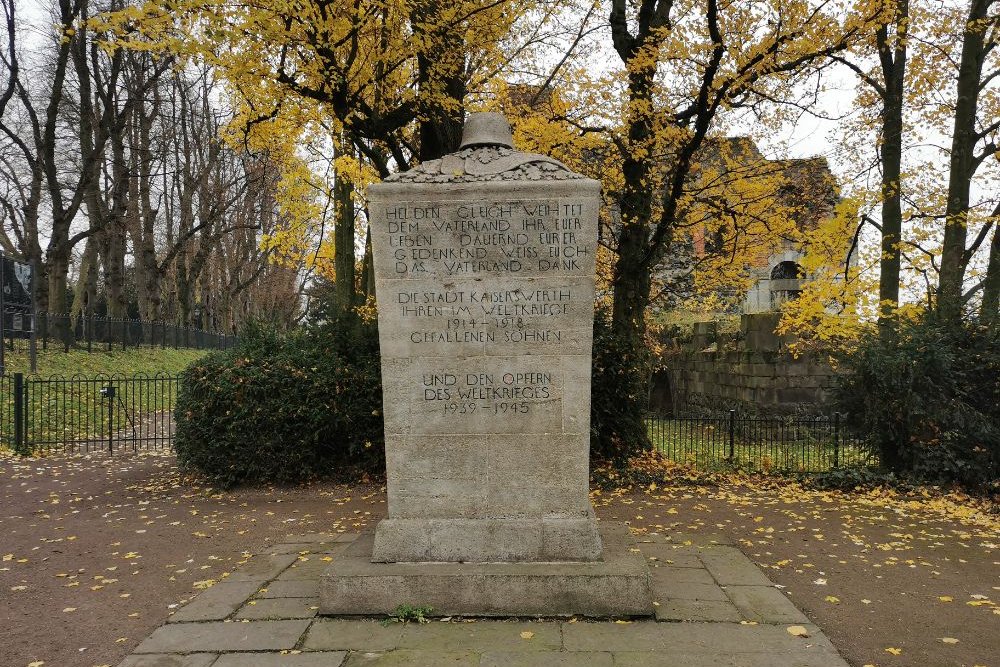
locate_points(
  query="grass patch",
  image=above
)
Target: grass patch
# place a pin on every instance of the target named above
(117, 362)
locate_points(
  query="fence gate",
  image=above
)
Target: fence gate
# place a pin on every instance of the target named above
(104, 412)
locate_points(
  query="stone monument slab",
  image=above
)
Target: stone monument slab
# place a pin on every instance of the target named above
(484, 272)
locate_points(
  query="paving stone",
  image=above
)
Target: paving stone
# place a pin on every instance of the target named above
(308, 547)
(351, 635)
(670, 659)
(681, 575)
(319, 659)
(262, 568)
(698, 610)
(731, 567)
(699, 638)
(294, 588)
(764, 604)
(407, 658)
(604, 636)
(545, 659)
(482, 636)
(216, 603)
(672, 555)
(221, 636)
(665, 588)
(169, 660)
(789, 660)
(307, 569)
(279, 608)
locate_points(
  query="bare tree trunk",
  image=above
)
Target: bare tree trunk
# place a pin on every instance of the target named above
(989, 310)
(344, 243)
(954, 258)
(892, 55)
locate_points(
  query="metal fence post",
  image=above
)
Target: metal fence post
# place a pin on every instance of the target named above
(111, 419)
(836, 439)
(732, 435)
(19, 412)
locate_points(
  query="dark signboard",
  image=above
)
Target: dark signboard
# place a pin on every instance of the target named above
(15, 297)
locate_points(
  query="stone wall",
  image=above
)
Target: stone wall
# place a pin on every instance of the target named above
(748, 370)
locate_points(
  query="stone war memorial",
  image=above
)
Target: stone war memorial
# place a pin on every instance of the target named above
(484, 269)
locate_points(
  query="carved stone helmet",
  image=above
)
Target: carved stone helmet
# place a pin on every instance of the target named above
(486, 129)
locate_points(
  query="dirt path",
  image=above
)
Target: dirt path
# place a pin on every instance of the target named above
(893, 581)
(97, 550)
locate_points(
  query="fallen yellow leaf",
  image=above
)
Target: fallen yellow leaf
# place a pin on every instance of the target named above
(893, 650)
(797, 631)
(949, 640)
(527, 634)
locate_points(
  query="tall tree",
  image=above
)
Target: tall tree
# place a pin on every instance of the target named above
(686, 64)
(972, 142)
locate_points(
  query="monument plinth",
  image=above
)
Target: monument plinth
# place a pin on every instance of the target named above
(484, 273)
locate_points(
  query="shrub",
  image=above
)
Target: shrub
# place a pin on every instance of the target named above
(618, 395)
(929, 401)
(280, 408)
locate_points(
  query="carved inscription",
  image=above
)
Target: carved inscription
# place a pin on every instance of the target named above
(487, 279)
(471, 238)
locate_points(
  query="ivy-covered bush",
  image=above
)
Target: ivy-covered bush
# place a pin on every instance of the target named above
(929, 401)
(620, 372)
(281, 408)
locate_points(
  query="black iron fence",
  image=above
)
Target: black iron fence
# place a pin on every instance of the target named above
(116, 412)
(79, 413)
(95, 333)
(764, 444)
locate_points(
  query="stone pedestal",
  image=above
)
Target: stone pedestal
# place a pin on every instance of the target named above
(618, 585)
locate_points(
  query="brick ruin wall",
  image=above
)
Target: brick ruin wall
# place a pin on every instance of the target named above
(751, 370)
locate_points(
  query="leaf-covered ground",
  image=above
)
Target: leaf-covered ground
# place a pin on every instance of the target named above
(97, 550)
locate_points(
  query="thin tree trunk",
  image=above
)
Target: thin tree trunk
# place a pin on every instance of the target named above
(989, 310)
(892, 53)
(344, 243)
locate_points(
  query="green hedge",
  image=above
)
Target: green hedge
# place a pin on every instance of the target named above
(929, 401)
(280, 408)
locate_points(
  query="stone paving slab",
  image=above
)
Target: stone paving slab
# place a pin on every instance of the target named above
(327, 634)
(169, 660)
(216, 636)
(407, 658)
(311, 568)
(216, 603)
(545, 659)
(691, 638)
(721, 611)
(482, 636)
(698, 610)
(324, 659)
(279, 608)
(765, 604)
(294, 588)
(264, 567)
(729, 566)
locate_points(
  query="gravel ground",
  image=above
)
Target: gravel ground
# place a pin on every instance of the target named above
(97, 550)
